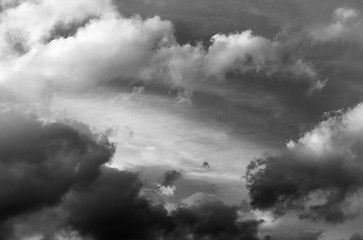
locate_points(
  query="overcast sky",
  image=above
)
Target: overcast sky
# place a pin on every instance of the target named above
(194, 119)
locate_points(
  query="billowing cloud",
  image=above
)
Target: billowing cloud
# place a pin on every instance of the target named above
(239, 52)
(207, 217)
(55, 186)
(345, 24)
(103, 50)
(30, 22)
(112, 209)
(41, 162)
(318, 175)
(111, 46)
(70, 45)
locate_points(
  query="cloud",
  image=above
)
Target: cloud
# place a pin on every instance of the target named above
(193, 19)
(33, 21)
(345, 24)
(101, 51)
(295, 235)
(170, 177)
(5, 4)
(318, 175)
(207, 217)
(111, 208)
(335, 35)
(109, 46)
(356, 236)
(40, 162)
(246, 52)
(240, 52)
(167, 186)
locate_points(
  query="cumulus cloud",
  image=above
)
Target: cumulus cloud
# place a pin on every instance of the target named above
(30, 22)
(247, 52)
(56, 186)
(112, 209)
(207, 217)
(319, 175)
(345, 24)
(239, 52)
(111, 46)
(41, 162)
(103, 50)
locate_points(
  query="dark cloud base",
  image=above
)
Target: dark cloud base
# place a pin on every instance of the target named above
(41, 162)
(289, 182)
(61, 166)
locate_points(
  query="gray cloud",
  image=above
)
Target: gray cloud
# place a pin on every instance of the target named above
(148, 51)
(295, 235)
(317, 175)
(356, 236)
(169, 177)
(59, 167)
(112, 209)
(41, 162)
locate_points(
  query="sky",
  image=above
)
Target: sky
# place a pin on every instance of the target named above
(194, 119)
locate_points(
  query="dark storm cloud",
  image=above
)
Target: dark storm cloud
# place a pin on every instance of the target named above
(296, 235)
(213, 220)
(169, 177)
(54, 165)
(286, 183)
(113, 209)
(356, 236)
(40, 162)
(317, 175)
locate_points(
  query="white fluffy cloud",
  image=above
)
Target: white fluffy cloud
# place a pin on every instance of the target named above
(103, 50)
(239, 52)
(111, 46)
(246, 52)
(345, 24)
(32, 21)
(339, 135)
